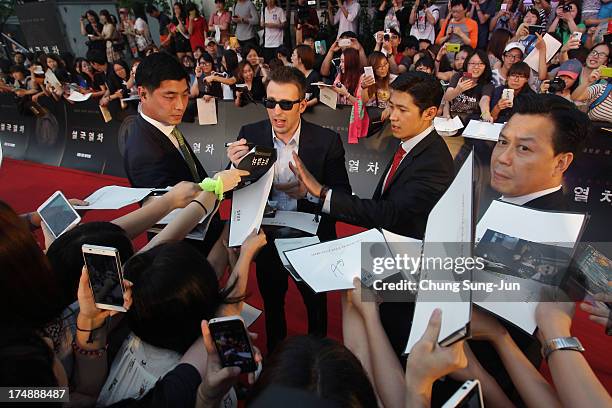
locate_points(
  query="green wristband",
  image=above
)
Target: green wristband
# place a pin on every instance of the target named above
(214, 186)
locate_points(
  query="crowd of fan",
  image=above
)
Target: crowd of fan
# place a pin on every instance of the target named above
(477, 51)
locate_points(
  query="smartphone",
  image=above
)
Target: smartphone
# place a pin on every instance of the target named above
(368, 71)
(105, 276)
(233, 343)
(533, 29)
(577, 35)
(320, 47)
(468, 396)
(344, 42)
(57, 214)
(605, 72)
(451, 47)
(527, 3)
(312, 2)
(508, 94)
(467, 75)
(503, 7)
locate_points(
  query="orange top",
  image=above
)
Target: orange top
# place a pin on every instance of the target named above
(469, 26)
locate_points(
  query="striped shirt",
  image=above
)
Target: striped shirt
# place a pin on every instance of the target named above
(603, 111)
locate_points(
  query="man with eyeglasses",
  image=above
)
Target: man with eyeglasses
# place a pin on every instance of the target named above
(322, 151)
(513, 53)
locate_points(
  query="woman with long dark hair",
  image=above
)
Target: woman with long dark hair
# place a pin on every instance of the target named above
(469, 92)
(347, 81)
(180, 33)
(249, 88)
(567, 20)
(92, 29)
(376, 91)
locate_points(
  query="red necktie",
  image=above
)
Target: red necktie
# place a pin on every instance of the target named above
(399, 153)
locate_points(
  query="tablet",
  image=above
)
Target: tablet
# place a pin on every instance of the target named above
(58, 215)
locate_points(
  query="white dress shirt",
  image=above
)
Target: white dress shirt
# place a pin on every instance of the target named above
(282, 172)
(349, 23)
(408, 145)
(165, 129)
(524, 199)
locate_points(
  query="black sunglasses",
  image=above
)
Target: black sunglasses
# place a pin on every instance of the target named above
(285, 105)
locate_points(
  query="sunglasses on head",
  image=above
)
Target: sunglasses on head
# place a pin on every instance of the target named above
(284, 104)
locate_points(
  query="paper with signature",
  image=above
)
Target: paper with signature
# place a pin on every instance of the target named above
(333, 265)
(306, 222)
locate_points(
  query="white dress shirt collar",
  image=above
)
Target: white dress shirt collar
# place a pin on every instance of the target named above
(165, 129)
(409, 144)
(295, 138)
(524, 199)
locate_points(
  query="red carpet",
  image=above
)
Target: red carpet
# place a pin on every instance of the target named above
(26, 185)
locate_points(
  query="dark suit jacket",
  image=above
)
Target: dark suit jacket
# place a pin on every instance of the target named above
(321, 151)
(420, 180)
(550, 202)
(151, 160)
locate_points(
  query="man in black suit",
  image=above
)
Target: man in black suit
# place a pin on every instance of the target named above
(156, 153)
(535, 148)
(420, 172)
(322, 151)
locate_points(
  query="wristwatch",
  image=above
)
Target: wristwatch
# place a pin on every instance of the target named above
(561, 343)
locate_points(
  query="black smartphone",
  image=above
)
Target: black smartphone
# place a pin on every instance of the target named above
(533, 29)
(233, 343)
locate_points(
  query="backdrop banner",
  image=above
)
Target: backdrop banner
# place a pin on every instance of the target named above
(75, 135)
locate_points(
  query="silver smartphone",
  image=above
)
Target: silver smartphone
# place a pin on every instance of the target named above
(468, 396)
(105, 276)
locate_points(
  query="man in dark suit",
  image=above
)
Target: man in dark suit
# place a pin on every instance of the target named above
(322, 151)
(156, 153)
(420, 172)
(535, 148)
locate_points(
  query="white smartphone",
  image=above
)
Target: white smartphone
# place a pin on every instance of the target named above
(468, 396)
(105, 276)
(344, 42)
(503, 7)
(576, 35)
(368, 71)
(233, 343)
(241, 86)
(508, 94)
(57, 214)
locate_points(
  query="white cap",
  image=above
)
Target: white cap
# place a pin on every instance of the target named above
(513, 45)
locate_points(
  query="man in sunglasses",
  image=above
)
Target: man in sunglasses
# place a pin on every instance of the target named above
(416, 177)
(322, 151)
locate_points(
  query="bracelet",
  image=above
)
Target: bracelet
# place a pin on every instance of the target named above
(201, 205)
(92, 353)
(213, 185)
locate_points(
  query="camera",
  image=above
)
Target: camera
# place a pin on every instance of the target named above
(567, 8)
(387, 37)
(556, 85)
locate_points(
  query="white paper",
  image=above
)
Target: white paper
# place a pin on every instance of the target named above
(114, 197)
(249, 314)
(561, 229)
(77, 96)
(328, 97)
(552, 46)
(298, 220)
(287, 244)
(51, 80)
(207, 111)
(447, 125)
(332, 265)
(477, 129)
(450, 221)
(248, 205)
